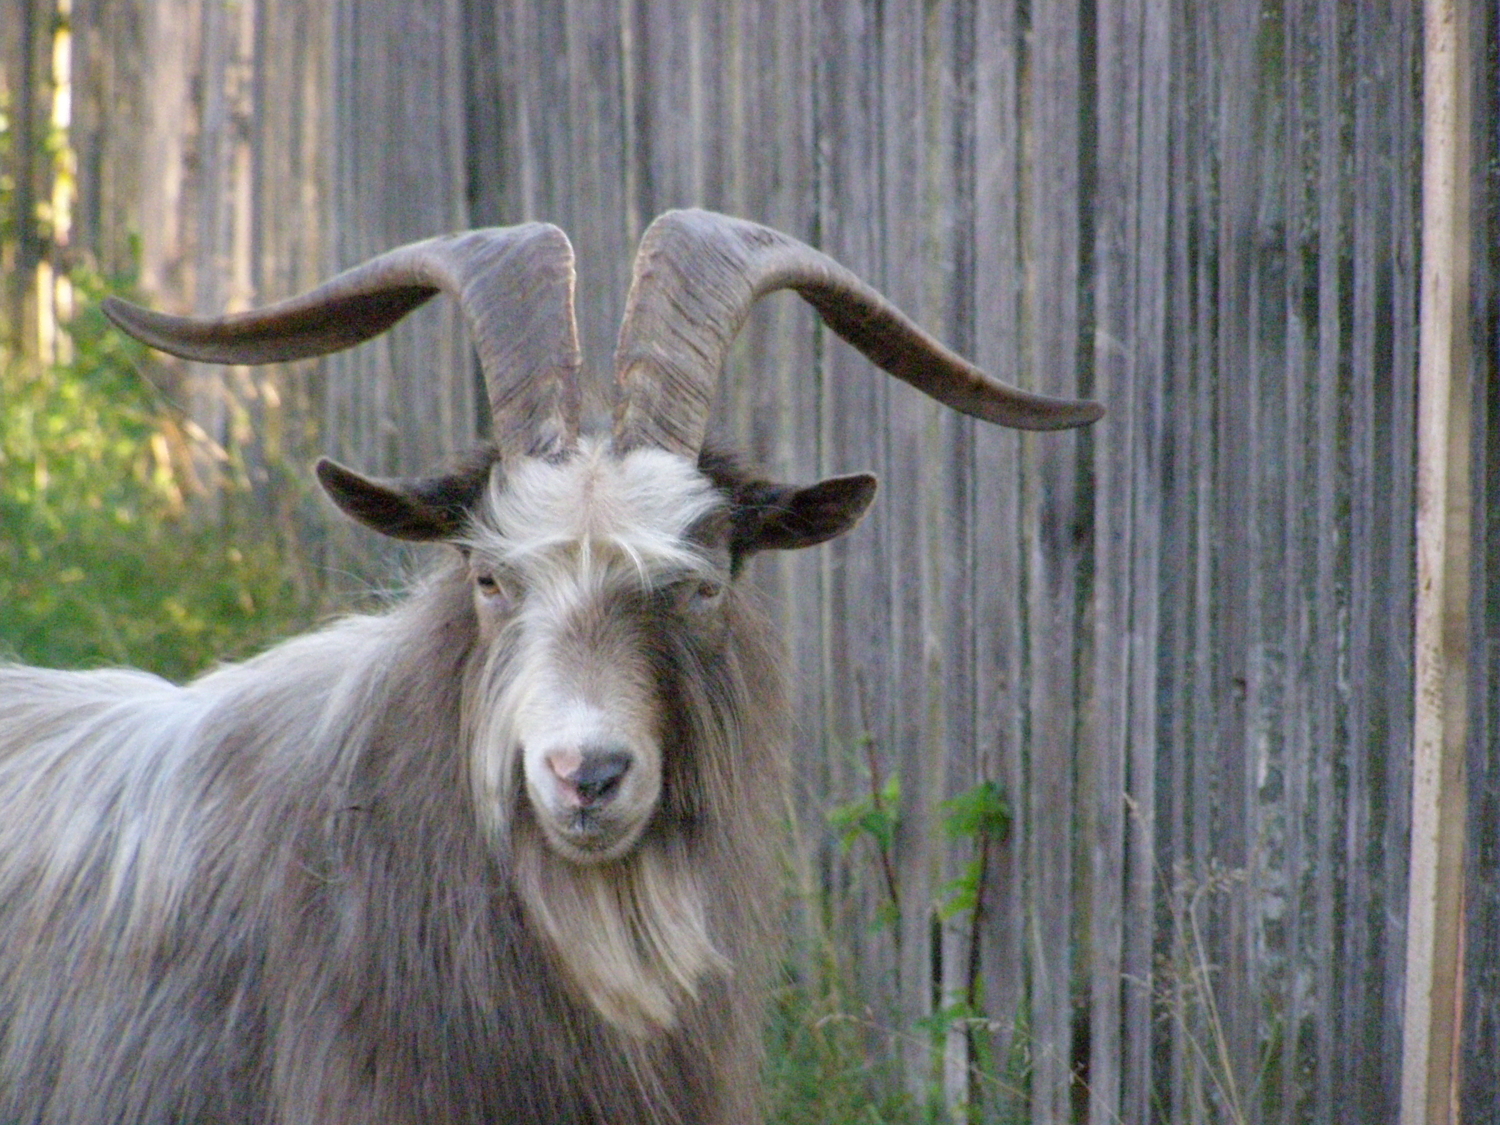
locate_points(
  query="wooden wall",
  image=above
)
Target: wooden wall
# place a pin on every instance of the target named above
(1180, 642)
(1477, 1072)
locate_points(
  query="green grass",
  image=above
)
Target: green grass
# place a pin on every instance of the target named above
(823, 1064)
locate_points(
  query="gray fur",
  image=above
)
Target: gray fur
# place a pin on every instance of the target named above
(266, 896)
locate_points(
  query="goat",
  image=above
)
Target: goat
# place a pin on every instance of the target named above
(502, 853)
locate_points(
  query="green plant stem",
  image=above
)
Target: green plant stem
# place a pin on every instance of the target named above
(887, 864)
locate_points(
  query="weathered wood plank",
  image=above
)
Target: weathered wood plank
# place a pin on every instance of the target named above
(18, 31)
(109, 104)
(1329, 590)
(1052, 524)
(1274, 459)
(1480, 1075)
(1441, 638)
(673, 128)
(1396, 573)
(1174, 763)
(1150, 354)
(1300, 954)
(1106, 745)
(1357, 1083)
(28, 80)
(399, 175)
(904, 150)
(949, 115)
(855, 404)
(1399, 564)
(996, 550)
(596, 160)
(1234, 613)
(291, 249)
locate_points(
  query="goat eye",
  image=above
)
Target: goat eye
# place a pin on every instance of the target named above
(491, 587)
(696, 595)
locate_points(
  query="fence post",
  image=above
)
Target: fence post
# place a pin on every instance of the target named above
(1434, 955)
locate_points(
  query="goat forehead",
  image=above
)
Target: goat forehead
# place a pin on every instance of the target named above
(609, 513)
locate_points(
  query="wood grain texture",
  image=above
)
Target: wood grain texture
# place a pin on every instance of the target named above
(1051, 533)
(997, 555)
(1480, 1073)
(1441, 637)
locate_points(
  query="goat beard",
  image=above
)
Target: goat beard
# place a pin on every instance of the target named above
(630, 936)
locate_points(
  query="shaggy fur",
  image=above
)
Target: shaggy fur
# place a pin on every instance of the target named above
(292, 890)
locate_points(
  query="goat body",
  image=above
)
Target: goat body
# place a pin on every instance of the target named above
(267, 896)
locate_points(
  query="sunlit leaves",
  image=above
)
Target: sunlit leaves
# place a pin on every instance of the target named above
(99, 562)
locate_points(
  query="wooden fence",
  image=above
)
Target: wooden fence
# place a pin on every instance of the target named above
(1178, 645)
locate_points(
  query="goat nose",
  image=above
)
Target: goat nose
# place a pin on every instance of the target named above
(599, 776)
(591, 777)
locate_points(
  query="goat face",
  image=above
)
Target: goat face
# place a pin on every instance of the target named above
(592, 575)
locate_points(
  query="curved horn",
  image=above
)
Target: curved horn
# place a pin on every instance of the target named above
(696, 275)
(514, 284)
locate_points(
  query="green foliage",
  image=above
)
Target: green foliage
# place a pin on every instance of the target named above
(99, 563)
(810, 1057)
(872, 817)
(827, 1067)
(979, 815)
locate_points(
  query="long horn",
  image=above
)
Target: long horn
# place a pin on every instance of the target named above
(514, 284)
(696, 275)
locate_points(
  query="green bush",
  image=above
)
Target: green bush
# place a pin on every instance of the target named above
(99, 560)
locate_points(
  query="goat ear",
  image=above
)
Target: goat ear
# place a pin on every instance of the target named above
(784, 517)
(419, 508)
